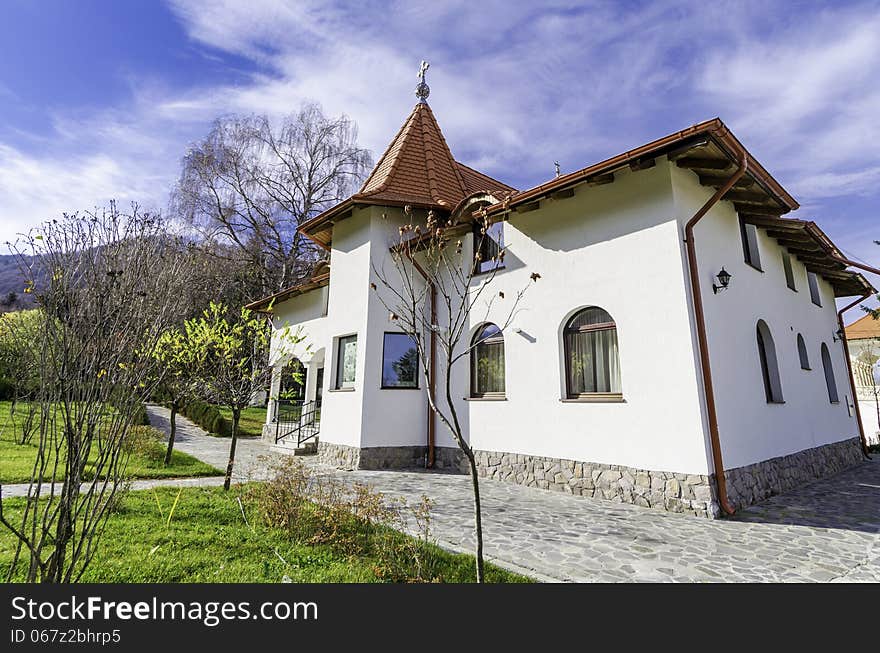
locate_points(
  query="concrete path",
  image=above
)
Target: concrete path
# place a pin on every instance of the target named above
(192, 439)
(826, 531)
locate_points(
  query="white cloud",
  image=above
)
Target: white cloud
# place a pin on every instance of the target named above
(515, 87)
(805, 100)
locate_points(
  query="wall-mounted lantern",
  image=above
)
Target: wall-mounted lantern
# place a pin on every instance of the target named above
(723, 279)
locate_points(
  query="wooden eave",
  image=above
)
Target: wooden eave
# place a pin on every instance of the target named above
(709, 149)
(265, 304)
(811, 246)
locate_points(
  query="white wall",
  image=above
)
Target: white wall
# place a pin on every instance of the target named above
(392, 417)
(750, 429)
(613, 246)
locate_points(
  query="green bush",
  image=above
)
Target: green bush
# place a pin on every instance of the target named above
(7, 389)
(207, 416)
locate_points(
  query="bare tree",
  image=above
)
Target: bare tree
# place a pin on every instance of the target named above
(439, 289)
(107, 285)
(249, 186)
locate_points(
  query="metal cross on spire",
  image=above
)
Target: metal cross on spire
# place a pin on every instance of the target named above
(423, 90)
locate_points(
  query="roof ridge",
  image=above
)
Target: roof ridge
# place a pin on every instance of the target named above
(431, 172)
(483, 174)
(403, 133)
(461, 183)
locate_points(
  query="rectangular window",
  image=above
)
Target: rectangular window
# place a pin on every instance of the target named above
(400, 362)
(813, 282)
(789, 273)
(749, 234)
(488, 246)
(346, 361)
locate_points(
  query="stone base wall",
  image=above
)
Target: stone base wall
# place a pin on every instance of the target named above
(341, 456)
(693, 494)
(671, 491)
(268, 433)
(448, 459)
(754, 483)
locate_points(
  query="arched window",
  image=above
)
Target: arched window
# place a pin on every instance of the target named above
(769, 364)
(802, 353)
(592, 365)
(829, 375)
(487, 362)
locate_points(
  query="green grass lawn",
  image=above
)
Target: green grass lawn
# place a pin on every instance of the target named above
(17, 460)
(206, 540)
(251, 422)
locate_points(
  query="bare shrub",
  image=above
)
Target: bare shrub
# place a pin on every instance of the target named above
(353, 520)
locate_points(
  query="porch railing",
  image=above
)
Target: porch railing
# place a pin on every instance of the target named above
(297, 419)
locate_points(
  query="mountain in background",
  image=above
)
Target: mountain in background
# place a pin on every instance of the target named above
(11, 281)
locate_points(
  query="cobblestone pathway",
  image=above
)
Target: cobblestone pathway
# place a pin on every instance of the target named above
(826, 531)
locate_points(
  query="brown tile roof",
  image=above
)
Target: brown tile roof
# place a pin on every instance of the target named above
(865, 327)
(266, 304)
(417, 169)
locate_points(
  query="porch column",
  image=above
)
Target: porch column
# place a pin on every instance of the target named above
(274, 390)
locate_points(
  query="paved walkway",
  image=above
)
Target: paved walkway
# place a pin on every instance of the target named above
(827, 531)
(192, 439)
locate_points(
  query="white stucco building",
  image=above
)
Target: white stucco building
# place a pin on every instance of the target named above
(628, 375)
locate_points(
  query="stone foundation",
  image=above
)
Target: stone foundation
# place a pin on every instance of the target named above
(692, 494)
(671, 491)
(754, 483)
(268, 433)
(342, 456)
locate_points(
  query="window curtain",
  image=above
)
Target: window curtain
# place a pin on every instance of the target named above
(594, 364)
(487, 370)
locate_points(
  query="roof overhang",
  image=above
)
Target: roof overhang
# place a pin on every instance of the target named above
(708, 148)
(267, 304)
(812, 247)
(320, 228)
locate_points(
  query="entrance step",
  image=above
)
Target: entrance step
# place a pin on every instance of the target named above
(290, 449)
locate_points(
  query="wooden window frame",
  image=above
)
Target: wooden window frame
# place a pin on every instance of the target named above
(749, 256)
(338, 382)
(803, 353)
(382, 385)
(495, 339)
(830, 379)
(813, 283)
(789, 271)
(586, 397)
(480, 239)
(769, 392)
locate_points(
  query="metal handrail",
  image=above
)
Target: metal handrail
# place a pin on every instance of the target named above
(297, 417)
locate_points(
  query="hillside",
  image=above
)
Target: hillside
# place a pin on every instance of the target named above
(11, 281)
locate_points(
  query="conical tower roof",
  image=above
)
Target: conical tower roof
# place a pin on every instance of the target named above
(417, 169)
(417, 166)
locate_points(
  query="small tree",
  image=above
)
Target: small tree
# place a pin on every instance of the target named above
(107, 285)
(175, 355)
(231, 354)
(439, 290)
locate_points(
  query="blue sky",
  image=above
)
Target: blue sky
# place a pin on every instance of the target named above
(99, 99)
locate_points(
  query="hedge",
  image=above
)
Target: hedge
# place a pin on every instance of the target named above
(208, 417)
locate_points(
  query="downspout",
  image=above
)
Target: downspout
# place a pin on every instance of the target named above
(429, 461)
(700, 319)
(852, 380)
(849, 370)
